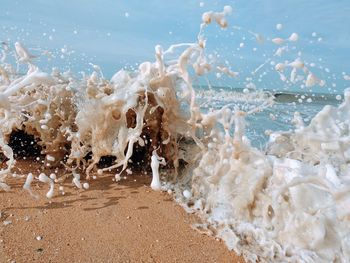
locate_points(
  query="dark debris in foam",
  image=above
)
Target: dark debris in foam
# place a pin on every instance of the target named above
(24, 145)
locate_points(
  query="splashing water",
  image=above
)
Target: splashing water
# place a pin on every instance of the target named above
(287, 202)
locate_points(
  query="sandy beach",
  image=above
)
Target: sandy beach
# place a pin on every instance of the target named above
(237, 110)
(110, 222)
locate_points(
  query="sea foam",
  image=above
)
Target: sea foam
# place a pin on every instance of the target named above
(289, 202)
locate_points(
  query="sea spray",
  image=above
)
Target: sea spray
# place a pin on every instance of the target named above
(48, 180)
(286, 203)
(27, 185)
(155, 162)
(286, 199)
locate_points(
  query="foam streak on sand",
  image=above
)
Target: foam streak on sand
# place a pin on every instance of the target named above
(289, 203)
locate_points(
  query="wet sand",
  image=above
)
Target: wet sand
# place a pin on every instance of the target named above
(110, 222)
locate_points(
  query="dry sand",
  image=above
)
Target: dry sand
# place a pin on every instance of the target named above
(110, 222)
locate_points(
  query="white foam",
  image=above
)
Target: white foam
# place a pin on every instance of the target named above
(288, 203)
(278, 41)
(23, 55)
(45, 179)
(218, 17)
(155, 161)
(187, 194)
(76, 181)
(27, 185)
(293, 37)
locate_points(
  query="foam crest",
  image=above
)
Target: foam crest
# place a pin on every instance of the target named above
(288, 203)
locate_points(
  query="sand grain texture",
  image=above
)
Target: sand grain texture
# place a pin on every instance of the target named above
(111, 222)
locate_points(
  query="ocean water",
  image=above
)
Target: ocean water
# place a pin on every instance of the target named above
(248, 128)
(277, 117)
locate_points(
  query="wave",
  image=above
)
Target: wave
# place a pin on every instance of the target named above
(288, 202)
(307, 96)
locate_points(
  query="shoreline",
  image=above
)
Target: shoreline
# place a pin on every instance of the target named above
(111, 222)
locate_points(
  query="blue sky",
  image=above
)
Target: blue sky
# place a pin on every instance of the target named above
(121, 33)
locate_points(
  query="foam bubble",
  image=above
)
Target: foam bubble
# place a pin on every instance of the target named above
(288, 202)
(293, 37)
(278, 41)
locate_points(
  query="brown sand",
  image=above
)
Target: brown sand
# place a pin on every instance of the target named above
(111, 222)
